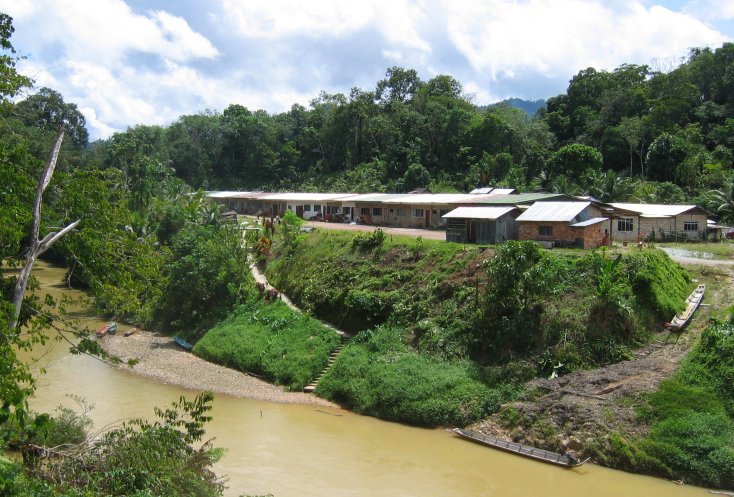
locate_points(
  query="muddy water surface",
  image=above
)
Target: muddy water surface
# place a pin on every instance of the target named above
(297, 450)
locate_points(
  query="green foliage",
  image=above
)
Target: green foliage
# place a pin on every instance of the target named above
(521, 276)
(143, 458)
(692, 433)
(290, 225)
(206, 277)
(377, 374)
(369, 240)
(659, 284)
(272, 340)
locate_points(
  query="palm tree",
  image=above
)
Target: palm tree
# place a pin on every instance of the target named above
(724, 198)
(608, 187)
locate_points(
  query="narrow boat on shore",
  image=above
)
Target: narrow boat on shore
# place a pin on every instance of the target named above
(183, 343)
(565, 460)
(110, 328)
(682, 319)
(130, 332)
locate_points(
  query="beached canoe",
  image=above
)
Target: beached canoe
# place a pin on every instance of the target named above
(110, 328)
(565, 460)
(682, 319)
(183, 343)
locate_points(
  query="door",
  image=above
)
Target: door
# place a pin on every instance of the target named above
(428, 218)
(299, 211)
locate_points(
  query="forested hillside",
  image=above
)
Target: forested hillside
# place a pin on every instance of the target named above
(627, 134)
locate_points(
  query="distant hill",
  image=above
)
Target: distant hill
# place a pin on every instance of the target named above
(529, 106)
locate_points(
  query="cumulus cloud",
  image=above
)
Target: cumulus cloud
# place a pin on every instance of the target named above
(125, 62)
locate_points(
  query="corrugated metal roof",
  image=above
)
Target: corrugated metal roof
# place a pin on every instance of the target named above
(305, 197)
(502, 191)
(655, 210)
(435, 198)
(481, 190)
(374, 197)
(478, 212)
(514, 199)
(553, 211)
(225, 194)
(589, 222)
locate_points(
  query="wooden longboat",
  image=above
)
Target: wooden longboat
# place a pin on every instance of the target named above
(682, 319)
(565, 460)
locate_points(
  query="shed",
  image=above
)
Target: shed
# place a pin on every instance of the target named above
(565, 224)
(481, 224)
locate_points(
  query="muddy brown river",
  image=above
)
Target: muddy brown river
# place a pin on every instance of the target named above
(302, 450)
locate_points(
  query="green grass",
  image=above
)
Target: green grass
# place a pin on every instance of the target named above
(377, 374)
(692, 430)
(272, 340)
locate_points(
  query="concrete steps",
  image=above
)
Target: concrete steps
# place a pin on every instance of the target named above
(332, 358)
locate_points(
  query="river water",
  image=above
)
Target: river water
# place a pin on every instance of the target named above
(299, 450)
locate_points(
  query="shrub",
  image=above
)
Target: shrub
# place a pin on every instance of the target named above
(272, 340)
(377, 374)
(369, 241)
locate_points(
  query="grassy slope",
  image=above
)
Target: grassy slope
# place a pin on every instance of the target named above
(424, 306)
(285, 346)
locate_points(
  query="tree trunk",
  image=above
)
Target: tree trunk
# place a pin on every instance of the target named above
(37, 247)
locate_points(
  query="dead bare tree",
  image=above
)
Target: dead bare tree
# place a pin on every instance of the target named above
(37, 247)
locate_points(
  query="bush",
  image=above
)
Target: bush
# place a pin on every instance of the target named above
(377, 374)
(369, 241)
(273, 340)
(140, 458)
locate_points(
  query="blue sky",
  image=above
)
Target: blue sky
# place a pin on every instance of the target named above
(128, 62)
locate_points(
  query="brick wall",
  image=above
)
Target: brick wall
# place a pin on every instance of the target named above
(593, 236)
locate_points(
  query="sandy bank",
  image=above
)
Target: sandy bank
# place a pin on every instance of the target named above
(161, 360)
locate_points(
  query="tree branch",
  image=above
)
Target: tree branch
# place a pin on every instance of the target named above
(36, 247)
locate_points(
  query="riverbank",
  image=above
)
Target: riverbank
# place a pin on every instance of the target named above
(160, 359)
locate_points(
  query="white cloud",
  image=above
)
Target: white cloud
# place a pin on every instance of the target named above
(713, 10)
(125, 66)
(109, 30)
(284, 19)
(502, 38)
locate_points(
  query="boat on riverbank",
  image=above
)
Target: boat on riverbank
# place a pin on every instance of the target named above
(565, 460)
(110, 328)
(183, 343)
(130, 332)
(682, 319)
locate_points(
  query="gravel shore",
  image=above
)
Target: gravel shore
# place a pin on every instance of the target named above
(162, 360)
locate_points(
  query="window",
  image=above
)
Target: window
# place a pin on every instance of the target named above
(306, 207)
(402, 212)
(418, 212)
(690, 225)
(625, 224)
(545, 230)
(377, 211)
(290, 208)
(364, 211)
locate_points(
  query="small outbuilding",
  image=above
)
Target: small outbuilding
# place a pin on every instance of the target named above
(481, 225)
(564, 224)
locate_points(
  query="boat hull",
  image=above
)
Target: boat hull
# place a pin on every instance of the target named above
(546, 456)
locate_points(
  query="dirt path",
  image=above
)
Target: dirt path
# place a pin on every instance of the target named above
(414, 232)
(578, 411)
